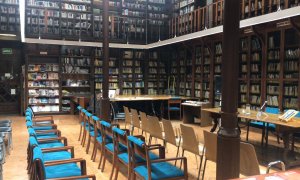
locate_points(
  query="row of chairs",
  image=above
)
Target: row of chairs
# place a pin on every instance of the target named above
(186, 138)
(131, 150)
(48, 153)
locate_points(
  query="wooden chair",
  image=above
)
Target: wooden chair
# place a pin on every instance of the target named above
(249, 165)
(174, 105)
(128, 118)
(82, 112)
(107, 146)
(116, 114)
(64, 169)
(144, 123)
(155, 129)
(91, 122)
(191, 144)
(136, 123)
(170, 136)
(210, 144)
(157, 168)
(87, 115)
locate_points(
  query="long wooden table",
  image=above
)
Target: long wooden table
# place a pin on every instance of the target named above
(293, 174)
(285, 128)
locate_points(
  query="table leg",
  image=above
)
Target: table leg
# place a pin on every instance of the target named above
(216, 122)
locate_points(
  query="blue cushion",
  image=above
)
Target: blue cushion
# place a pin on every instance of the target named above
(95, 118)
(110, 147)
(83, 110)
(136, 141)
(59, 155)
(64, 170)
(138, 159)
(29, 124)
(88, 114)
(174, 108)
(119, 131)
(108, 139)
(37, 154)
(106, 124)
(161, 170)
(33, 141)
(28, 118)
(31, 132)
(272, 110)
(51, 145)
(79, 107)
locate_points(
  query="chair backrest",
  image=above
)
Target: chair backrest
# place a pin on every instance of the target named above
(106, 130)
(169, 132)
(210, 144)
(144, 121)
(174, 102)
(127, 115)
(119, 137)
(189, 139)
(248, 160)
(136, 147)
(272, 110)
(38, 160)
(82, 115)
(135, 118)
(154, 127)
(94, 120)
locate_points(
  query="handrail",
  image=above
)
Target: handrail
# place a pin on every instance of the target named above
(212, 15)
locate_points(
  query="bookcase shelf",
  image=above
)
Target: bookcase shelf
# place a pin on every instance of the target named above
(9, 17)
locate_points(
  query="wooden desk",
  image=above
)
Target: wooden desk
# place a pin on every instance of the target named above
(293, 174)
(155, 100)
(190, 111)
(285, 128)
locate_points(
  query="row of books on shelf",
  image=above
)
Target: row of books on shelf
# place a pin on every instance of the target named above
(77, 61)
(292, 53)
(9, 1)
(11, 28)
(76, 83)
(255, 99)
(290, 103)
(75, 70)
(291, 66)
(50, 84)
(273, 76)
(291, 90)
(43, 100)
(273, 67)
(42, 12)
(9, 10)
(76, 7)
(43, 92)
(273, 89)
(273, 55)
(42, 76)
(272, 100)
(43, 67)
(45, 108)
(43, 3)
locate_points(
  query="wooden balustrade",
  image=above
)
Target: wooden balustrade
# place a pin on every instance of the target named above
(212, 15)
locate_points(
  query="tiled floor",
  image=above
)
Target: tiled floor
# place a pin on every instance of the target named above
(15, 165)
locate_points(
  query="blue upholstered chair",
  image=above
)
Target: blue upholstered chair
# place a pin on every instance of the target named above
(50, 154)
(39, 126)
(264, 126)
(95, 134)
(86, 126)
(83, 125)
(154, 169)
(67, 169)
(91, 122)
(107, 145)
(174, 105)
(44, 134)
(38, 119)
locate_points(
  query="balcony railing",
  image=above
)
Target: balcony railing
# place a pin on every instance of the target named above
(212, 15)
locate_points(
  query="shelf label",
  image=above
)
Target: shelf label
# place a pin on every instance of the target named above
(7, 51)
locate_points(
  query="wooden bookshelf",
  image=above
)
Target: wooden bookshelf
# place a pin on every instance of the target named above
(9, 17)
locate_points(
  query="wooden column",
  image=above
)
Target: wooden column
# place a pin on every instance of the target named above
(105, 106)
(228, 145)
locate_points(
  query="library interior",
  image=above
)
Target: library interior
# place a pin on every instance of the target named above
(149, 89)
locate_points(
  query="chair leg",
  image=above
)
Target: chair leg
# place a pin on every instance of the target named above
(263, 134)
(80, 133)
(247, 135)
(83, 138)
(181, 156)
(150, 139)
(104, 160)
(113, 167)
(177, 154)
(203, 170)
(101, 156)
(88, 144)
(93, 152)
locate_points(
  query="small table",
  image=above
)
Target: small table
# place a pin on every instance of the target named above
(192, 110)
(285, 128)
(293, 174)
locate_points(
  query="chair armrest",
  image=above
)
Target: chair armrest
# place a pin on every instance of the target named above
(56, 131)
(185, 169)
(43, 117)
(271, 164)
(161, 150)
(60, 149)
(140, 137)
(80, 160)
(77, 177)
(45, 125)
(54, 139)
(154, 145)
